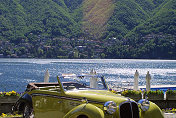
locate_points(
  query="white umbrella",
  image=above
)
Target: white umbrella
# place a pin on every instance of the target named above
(92, 72)
(46, 78)
(148, 78)
(93, 81)
(136, 79)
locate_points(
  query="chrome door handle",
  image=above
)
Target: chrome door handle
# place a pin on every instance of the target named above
(59, 102)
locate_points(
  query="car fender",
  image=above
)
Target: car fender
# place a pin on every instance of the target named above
(19, 105)
(91, 111)
(153, 112)
(27, 98)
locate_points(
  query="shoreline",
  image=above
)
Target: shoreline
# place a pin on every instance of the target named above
(131, 59)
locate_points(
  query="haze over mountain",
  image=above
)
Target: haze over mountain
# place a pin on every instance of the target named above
(134, 28)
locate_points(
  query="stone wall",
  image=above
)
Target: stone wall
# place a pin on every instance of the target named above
(6, 103)
(165, 103)
(6, 107)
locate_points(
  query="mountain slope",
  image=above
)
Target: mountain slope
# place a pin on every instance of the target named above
(96, 18)
(12, 18)
(119, 28)
(163, 21)
(47, 17)
(149, 5)
(127, 15)
(96, 13)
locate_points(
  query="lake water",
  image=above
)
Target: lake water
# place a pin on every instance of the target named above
(15, 74)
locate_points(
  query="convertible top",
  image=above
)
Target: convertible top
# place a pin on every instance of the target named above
(32, 86)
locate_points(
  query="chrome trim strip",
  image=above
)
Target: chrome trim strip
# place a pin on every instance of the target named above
(64, 97)
(95, 102)
(55, 96)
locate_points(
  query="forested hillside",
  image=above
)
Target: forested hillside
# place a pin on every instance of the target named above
(50, 18)
(88, 28)
(162, 21)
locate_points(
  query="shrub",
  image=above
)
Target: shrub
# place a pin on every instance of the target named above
(130, 92)
(157, 92)
(171, 92)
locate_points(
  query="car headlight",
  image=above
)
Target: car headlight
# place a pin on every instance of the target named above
(110, 107)
(144, 104)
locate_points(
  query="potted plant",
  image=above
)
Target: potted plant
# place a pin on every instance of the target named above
(171, 95)
(135, 95)
(9, 97)
(155, 95)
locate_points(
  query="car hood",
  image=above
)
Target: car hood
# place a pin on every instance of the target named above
(100, 96)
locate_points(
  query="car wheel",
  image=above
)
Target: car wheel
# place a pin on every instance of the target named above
(27, 111)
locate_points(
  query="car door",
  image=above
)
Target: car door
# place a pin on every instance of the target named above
(48, 104)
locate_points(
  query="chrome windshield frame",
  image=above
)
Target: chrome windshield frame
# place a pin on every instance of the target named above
(82, 76)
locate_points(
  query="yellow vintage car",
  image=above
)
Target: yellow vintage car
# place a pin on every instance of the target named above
(81, 96)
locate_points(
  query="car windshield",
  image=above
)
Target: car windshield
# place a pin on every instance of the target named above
(83, 82)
